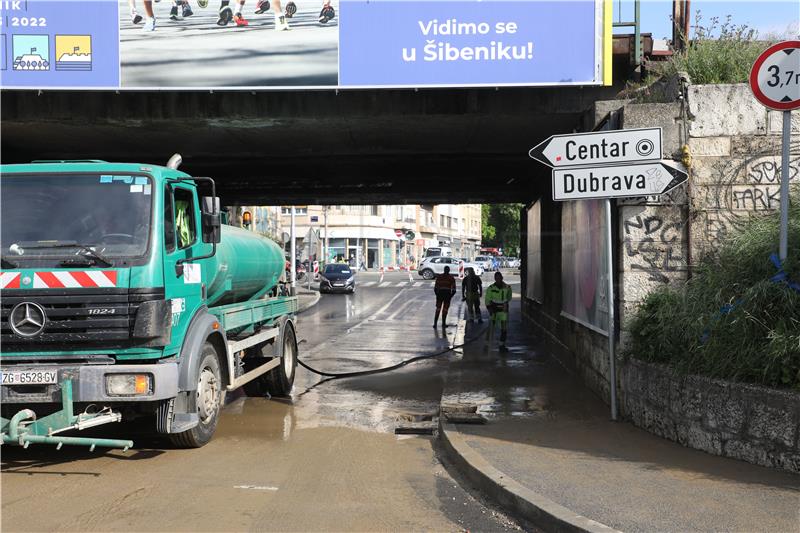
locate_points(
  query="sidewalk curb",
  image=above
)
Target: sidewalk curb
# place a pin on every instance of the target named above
(509, 494)
(309, 305)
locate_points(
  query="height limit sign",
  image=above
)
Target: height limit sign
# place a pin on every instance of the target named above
(775, 82)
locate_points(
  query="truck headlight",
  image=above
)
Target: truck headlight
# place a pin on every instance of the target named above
(129, 384)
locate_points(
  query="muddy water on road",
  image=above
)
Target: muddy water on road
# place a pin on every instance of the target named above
(325, 459)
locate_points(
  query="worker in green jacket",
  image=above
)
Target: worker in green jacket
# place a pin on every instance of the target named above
(497, 298)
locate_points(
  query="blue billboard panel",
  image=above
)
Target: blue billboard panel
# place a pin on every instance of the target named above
(67, 43)
(495, 42)
(283, 44)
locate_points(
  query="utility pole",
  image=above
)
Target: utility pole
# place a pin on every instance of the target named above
(325, 250)
(680, 24)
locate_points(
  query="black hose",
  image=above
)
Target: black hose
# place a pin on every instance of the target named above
(333, 375)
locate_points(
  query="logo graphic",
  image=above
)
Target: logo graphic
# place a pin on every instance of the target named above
(74, 52)
(31, 52)
(27, 319)
(645, 147)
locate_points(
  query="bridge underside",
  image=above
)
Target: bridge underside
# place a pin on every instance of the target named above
(313, 147)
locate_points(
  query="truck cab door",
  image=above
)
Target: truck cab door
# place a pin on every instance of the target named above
(183, 281)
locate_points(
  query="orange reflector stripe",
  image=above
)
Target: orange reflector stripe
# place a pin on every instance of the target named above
(216, 325)
(141, 385)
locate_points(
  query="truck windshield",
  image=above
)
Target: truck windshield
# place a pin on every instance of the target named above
(64, 216)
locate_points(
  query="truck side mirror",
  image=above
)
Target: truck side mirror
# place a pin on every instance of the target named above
(210, 220)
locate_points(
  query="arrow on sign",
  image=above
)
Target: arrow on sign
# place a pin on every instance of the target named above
(599, 148)
(644, 179)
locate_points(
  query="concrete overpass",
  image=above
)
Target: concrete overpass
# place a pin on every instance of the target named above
(400, 146)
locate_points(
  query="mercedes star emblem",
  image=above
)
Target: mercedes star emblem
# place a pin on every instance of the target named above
(27, 319)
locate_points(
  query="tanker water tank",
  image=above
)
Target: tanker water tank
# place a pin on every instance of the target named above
(247, 266)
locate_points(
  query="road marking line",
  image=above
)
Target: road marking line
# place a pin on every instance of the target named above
(401, 284)
(368, 284)
(419, 283)
(385, 284)
(254, 487)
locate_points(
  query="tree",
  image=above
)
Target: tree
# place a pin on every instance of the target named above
(488, 231)
(501, 226)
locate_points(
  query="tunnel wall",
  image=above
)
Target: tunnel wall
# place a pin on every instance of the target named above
(730, 145)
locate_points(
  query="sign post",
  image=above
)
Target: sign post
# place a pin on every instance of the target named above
(775, 82)
(605, 165)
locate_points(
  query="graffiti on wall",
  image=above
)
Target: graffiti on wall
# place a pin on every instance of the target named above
(738, 188)
(654, 245)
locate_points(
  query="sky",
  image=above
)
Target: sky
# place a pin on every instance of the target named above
(780, 17)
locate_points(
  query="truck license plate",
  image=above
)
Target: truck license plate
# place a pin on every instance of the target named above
(28, 377)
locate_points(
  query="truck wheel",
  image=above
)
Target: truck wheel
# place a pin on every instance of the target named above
(209, 398)
(281, 378)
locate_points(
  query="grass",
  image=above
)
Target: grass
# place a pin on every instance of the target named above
(730, 321)
(720, 52)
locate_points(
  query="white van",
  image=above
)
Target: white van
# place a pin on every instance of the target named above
(439, 250)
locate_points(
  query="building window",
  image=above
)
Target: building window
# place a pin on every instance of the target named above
(287, 210)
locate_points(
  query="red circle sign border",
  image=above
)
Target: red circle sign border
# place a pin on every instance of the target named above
(760, 96)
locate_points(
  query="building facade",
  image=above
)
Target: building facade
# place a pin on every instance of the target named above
(383, 236)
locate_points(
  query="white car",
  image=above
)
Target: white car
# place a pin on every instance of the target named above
(485, 261)
(431, 266)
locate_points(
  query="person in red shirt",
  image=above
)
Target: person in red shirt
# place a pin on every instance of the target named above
(445, 289)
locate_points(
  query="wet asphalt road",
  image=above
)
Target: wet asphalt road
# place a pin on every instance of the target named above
(325, 460)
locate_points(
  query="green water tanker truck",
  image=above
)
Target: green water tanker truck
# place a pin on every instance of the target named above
(124, 297)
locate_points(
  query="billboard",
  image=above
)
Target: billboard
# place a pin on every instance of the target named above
(584, 256)
(280, 44)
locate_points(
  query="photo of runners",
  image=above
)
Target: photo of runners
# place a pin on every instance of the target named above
(228, 43)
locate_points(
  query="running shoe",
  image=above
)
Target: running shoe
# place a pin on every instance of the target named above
(240, 20)
(149, 25)
(136, 18)
(187, 10)
(291, 9)
(202, 4)
(173, 13)
(262, 6)
(280, 23)
(225, 16)
(327, 14)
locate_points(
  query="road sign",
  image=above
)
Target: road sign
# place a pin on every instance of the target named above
(599, 148)
(775, 76)
(643, 179)
(775, 82)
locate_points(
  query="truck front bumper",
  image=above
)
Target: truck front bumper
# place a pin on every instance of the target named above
(89, 383)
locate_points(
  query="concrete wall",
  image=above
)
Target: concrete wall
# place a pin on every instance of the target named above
(746, 422)
(735, 148)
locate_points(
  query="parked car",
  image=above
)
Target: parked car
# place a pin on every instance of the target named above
(514, 262)
(337, 278)
(486, 261)
(431, 266)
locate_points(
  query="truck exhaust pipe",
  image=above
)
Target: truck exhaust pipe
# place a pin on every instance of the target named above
(174, 161)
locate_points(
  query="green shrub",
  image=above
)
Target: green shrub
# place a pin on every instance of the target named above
(730, 320)
(721, 52)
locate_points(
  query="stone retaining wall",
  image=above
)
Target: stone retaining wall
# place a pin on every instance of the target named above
(754, 424)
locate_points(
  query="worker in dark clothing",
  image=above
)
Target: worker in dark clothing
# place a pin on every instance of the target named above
(445, 289)
(471, 291)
